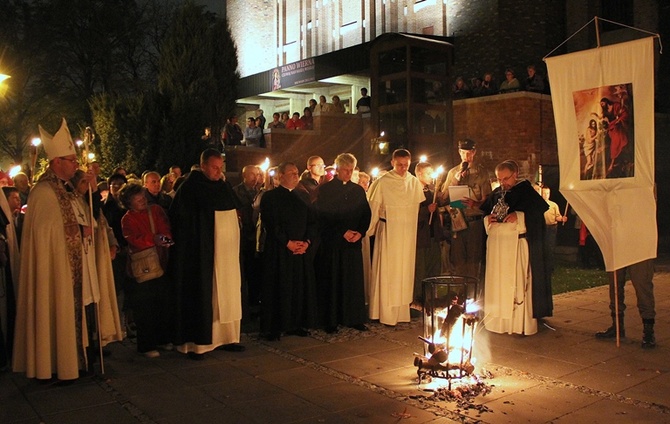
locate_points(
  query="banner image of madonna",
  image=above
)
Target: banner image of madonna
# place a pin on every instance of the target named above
(604, 117)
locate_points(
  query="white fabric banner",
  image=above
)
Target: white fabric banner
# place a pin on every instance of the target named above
(603, 102)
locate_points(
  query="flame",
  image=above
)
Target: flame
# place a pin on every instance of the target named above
(459, 343)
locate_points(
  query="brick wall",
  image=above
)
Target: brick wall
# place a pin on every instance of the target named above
(518, 126)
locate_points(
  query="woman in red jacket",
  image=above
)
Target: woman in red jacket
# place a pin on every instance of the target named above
(149, 298)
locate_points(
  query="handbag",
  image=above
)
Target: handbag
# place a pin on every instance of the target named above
(145, 265)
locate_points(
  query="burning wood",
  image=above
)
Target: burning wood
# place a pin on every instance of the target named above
(434, 368)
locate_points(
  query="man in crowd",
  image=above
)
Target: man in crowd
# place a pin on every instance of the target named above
(49, 321)
(314, 176)
(641, 275)
(246, 192)
(152, 182)
(344, 217)
(176, 170)
(467, 245)
(252, 134)
(429, 231)
(204, 262)
(22, 183)
(288, 296)
(394, 201)
(364, 104)
(232, 132)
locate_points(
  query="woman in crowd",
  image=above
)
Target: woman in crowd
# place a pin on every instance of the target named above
(145, 227)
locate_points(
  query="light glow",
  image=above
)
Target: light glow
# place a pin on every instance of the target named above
(36, 142)
(15, 170)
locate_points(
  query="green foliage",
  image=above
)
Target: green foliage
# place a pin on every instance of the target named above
(147, 76)
(567, 278)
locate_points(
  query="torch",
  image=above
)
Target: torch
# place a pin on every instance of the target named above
(435, 175)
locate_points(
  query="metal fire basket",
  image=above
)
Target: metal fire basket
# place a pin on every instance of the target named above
(450, 318)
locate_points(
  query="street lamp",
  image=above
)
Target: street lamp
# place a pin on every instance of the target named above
(3, 77)
(35, 144)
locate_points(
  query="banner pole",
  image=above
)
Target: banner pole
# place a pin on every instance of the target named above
(597, 32)
(616, 311)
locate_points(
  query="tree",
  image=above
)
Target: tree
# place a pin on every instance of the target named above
(198, 73)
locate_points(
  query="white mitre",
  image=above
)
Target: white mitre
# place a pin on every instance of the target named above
(58, 145)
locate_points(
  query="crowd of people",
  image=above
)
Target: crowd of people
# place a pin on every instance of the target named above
(177, 262)
(252, 135)
(486, 85)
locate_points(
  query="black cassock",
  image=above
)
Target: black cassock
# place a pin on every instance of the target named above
(339, 264)
(288, 297)
(191, 266)
(523, 198)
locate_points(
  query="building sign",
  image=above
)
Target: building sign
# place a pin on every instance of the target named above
(292, 74)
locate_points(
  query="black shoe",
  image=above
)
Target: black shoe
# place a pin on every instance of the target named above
(233, 347)
(648, 338)
(195, 356)
(610, 333)
(273, 337)
(331, 330)
(360, 327)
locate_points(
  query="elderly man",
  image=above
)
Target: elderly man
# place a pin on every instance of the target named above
(152, 182)
(204, 262)
(50, 325)
(344, 217)
(22, 183)
(464, 252)
(394, 200)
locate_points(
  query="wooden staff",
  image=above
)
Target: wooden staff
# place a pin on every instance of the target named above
(88, 137)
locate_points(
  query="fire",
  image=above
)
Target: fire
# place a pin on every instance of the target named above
(450, 348)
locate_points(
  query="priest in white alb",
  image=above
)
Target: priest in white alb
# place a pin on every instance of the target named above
(394, 200)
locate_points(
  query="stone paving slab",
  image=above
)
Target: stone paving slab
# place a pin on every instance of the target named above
(353, 377)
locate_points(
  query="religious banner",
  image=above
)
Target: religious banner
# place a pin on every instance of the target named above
(603, 101)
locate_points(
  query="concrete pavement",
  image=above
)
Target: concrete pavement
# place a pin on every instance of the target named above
(563, 375)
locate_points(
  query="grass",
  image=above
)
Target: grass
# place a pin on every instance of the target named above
(568, 277)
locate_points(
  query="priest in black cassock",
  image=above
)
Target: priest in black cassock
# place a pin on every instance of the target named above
(520, 195)
(205, 261)
(344, 216)
(288, 298)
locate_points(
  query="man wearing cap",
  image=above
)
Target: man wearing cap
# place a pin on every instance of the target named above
(465, 251)
(50, 326)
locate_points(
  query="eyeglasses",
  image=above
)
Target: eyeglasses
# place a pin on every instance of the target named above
(69, 160)
(506, 179)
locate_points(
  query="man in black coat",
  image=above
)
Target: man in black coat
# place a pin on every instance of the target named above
(344, 217)
(520, 196)
(204, 263)
(288, 299)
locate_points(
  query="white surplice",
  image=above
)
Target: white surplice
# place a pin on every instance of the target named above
(394, 201)
(508, 300)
